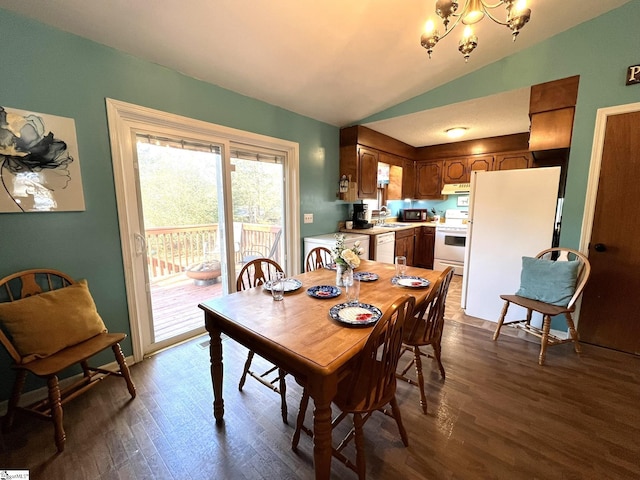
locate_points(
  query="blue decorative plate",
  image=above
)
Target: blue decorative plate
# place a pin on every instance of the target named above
(361, 314)
(366, 276)
(290, 284)
(323, 291)
(410, 282)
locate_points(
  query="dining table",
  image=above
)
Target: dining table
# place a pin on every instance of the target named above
(304, 336)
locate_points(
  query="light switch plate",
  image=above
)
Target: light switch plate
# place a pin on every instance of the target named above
(308, 218)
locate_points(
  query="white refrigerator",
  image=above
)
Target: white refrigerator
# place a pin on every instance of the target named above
(512, 213)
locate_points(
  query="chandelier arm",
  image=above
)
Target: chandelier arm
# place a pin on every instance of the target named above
(486, 5)
(495, 19)
(451, 27)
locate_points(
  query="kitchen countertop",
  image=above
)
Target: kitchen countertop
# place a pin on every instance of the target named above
(376, 230)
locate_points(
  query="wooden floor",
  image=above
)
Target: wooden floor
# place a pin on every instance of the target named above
(497, 415)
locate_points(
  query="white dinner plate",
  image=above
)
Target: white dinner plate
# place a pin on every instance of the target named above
(290, 284)
(411, 282)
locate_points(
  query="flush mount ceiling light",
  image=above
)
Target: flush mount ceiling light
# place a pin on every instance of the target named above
(455, 132)
(472, 12)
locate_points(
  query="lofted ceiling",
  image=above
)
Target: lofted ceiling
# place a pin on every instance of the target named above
(335, 61)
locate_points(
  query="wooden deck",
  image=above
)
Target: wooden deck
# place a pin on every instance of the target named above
(175, 302)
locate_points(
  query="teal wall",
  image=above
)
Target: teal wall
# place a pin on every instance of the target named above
(599, 51)
(46, 70)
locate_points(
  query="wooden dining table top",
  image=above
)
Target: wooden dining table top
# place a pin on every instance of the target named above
(298, 332)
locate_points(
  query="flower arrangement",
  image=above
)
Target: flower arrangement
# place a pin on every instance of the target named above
(346, 257)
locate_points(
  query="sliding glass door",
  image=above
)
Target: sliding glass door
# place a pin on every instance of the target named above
(195, 202)
(180, 197)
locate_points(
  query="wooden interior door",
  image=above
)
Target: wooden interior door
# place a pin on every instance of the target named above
(611, 301)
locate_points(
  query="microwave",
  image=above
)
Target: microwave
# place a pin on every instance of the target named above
(413, 215)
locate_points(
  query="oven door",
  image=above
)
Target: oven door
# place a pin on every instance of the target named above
(450, 245)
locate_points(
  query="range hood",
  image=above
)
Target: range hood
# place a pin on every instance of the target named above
(456, 188)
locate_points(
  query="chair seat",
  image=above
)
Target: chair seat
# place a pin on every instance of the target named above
(43, 367)
(541, 307)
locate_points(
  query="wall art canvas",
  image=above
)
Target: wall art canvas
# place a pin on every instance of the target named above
(39, 164)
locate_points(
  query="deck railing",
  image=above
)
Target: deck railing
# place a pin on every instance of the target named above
(172, 250)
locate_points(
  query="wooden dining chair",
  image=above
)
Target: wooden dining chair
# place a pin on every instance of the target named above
(318, 258)
(550, 284)
(424, 328)
(370, 386)
(49, 323)
(253, 274)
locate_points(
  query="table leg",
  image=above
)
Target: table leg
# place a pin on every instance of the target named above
(215, 352)
(322, 391)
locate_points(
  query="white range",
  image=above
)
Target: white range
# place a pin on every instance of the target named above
(451, 239)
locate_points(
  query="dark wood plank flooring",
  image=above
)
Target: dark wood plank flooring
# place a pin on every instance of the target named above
(497, 415)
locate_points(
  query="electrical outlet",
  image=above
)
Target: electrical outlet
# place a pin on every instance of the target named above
(308, 218)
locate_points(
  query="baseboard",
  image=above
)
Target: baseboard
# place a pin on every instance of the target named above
(32, 396)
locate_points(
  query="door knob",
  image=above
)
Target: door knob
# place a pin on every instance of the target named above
(600, 247)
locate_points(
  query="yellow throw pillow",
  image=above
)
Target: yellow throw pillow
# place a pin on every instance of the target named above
(44, 324)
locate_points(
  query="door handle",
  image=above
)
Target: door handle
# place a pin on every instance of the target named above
(600, 247)
(140, 244)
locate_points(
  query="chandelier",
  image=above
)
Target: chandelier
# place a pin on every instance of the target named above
(472, 12)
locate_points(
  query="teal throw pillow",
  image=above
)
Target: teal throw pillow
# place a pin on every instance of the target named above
(548, 281)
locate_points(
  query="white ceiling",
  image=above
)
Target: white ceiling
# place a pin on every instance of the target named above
(333, 60)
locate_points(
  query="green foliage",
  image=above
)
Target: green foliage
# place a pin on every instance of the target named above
(257, 192)
(180, 187)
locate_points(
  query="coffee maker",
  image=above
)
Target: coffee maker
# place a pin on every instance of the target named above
(361, 216)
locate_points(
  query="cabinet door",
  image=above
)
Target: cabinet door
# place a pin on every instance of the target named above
(484, 163)
(551, 130)
(428, 180)
(405, 240)
(408, 179)
(394, 191)
(367, 173)
(455, 171)
(424, 245)
(513, 161)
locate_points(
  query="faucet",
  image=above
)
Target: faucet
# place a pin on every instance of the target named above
(382, 214)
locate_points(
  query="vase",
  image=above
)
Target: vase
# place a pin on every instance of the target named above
(341, 272)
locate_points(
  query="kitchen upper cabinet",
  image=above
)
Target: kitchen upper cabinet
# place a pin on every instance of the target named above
(396, 175)
(360, 151)
(551, 130)
(482, 162)
(405, 244)
(455, 171)
(551, 109)
(513, 161)
(367, 173)
(425, 240)
(458, 170)
(394, 190)
(409, 179)
(428, 180)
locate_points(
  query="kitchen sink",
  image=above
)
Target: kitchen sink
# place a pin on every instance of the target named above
(393, 225)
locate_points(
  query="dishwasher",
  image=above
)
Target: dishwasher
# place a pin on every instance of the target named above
(385, 247)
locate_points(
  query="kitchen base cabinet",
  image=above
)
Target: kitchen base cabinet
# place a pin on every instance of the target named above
(424, 245)
(405, 241)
